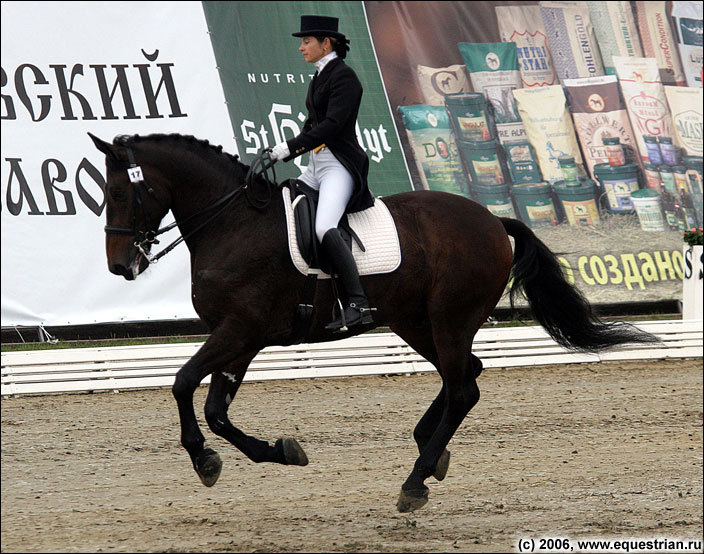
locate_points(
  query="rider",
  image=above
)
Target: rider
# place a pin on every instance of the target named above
(338, 166)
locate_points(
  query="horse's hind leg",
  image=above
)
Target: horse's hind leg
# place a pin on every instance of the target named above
(457, 368)
(430, 420)
(223, 387)
(420, 339)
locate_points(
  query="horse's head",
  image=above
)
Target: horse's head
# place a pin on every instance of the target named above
(136, 201)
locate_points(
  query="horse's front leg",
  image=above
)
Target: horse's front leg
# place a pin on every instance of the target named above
(215, 354)
(223, 387)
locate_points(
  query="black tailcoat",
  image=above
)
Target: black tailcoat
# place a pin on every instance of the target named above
(333, 103)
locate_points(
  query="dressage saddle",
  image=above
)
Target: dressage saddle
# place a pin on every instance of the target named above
(305, 202)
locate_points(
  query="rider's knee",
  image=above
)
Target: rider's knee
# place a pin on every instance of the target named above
(320, 229)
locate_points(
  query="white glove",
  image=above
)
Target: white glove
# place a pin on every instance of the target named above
(279, 151)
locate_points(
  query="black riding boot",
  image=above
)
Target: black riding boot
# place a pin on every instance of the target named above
(342, 262)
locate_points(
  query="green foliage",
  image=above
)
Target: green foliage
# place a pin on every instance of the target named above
(693, 237)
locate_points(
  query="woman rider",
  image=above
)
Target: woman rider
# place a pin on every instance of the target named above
(338, 166)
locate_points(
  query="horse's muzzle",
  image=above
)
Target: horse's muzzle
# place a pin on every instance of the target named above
(119, 269)
(130, 272)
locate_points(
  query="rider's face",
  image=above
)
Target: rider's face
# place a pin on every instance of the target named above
(312, 49)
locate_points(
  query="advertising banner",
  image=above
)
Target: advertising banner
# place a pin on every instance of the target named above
(573, 174)
(265, 80)
(108, 68)
(228, 72)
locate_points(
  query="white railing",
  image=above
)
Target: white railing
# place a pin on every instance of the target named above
(127, 367)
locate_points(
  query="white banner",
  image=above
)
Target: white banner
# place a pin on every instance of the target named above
(693, 282)
(108, 68)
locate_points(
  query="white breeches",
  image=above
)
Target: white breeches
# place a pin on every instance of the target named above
(335, 185)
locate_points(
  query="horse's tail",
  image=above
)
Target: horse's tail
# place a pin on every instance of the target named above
(558, 306)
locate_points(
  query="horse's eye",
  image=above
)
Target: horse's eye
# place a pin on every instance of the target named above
(118, 194)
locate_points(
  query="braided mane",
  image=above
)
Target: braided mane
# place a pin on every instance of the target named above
(128, 140)
(194, 144)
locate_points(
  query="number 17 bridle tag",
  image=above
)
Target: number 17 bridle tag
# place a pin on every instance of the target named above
(135, 174)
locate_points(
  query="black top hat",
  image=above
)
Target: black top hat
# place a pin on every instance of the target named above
(318, 25)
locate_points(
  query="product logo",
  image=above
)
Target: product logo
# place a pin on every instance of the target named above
(442, 147)
(651, 115)
(533, 58)
(689, 128)
(691, 30)
(580, 210)
(637, 77)
(596, 102)
(432, 119)
(447, 82)
(492, 61)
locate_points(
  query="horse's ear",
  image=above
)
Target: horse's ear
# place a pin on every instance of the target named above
(104, 147)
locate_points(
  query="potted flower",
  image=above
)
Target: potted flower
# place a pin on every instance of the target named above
(692, 285)
(693, 237)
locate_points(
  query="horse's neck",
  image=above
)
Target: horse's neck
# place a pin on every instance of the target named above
(191, 196)
(197, 197)
(193, 182)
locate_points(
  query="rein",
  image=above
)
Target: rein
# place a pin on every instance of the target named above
(144, 239)
(260, 168)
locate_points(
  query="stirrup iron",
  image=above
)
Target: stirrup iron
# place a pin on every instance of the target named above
(343, 320)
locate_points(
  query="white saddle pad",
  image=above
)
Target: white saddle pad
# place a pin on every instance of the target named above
(374, 226)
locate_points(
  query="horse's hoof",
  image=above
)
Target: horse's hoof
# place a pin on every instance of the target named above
(409, 501)
(442, 465)
(292, 452)
(208, 467)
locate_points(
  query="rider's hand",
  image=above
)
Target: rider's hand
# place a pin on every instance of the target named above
(279, 151)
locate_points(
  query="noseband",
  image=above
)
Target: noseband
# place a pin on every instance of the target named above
(144, 239)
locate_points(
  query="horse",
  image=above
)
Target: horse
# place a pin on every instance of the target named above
(457, 260)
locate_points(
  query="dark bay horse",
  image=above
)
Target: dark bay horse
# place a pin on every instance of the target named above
(456, 263)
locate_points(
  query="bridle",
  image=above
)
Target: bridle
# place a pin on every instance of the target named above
(143, 239)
